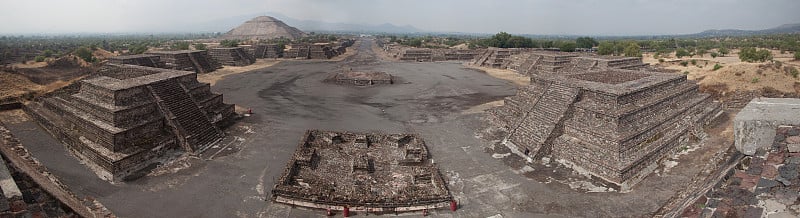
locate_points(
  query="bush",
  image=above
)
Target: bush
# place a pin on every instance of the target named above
(229, 43)
(716, 67)
(755, 80)
(661, 60)
(585, 42)
(684, 63)
(694, 62)
(39, 58)
(714, 55)
(753, 55)
(200, 46)
(685, 72)
(792, 71)
(797, 55)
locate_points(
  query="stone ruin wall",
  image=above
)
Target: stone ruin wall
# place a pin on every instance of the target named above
(188, 60)
(231, 56)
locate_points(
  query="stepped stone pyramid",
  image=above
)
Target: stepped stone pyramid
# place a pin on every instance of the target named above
(129, 116)
(616, 124)
(263, 27)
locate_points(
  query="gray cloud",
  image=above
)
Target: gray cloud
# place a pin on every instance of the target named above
(587, 17)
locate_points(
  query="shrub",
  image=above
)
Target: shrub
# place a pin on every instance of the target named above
(137, 48)
(684, 63)
(685, 72)
(755, 80)
(694, 62)
(716, 67)
(39, 58)
(661, 60)
(714, 55)
(797, 55)
(793, 71)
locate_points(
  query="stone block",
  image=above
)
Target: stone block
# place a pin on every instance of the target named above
(755, 125)
(793, 148)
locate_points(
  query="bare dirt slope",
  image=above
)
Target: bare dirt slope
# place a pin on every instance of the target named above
(737, 82)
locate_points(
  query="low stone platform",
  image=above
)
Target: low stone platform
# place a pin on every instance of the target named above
(361, 78)
(362, 172)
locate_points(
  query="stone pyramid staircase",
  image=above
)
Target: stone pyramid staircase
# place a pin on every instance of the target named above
(543, 122)
(195, 130)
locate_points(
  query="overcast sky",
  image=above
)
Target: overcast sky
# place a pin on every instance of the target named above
(578, 17)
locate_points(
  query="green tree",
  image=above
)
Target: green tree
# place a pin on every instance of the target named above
(701, 52)
(797, 55)
(632, 50)
(567, 46)
(200, 46)
(605, 48)
(681, 53)
(586, 42)
(750, 54)
(85, 54)
(47, 53)
(39, 58)
(723, 51)
(181, 45)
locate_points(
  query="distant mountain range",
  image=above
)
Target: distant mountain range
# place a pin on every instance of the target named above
(224, 25)
(782, 29)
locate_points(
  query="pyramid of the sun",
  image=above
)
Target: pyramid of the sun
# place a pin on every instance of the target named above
(263, 27)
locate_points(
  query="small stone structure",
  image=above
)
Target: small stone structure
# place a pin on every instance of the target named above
(147, 60)
(235, 56)
(317, 50)
(128, 117)
(379, 173)
(616, 124)
(431, 55)
(361, 78)
(188, 60)
(754, 126)
(496, 57)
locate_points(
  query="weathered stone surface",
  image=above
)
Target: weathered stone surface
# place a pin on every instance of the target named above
(755, 125)
(766, 183)
(774, 206)
(784, 214)
(775, 158)
(793, 132)
(793, 148)
(788, 171)
(785, 181)
(769, 172)
(786, 196)
(753, 212)
(793, 140)
(793, 160)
